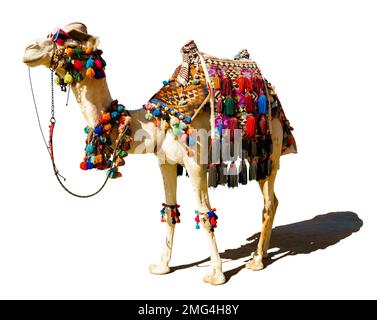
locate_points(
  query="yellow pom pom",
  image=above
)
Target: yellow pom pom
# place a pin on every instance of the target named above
(90, 72)
(68, 78)
(57, 80)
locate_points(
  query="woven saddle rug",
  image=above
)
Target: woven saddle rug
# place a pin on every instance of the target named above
(239, 98)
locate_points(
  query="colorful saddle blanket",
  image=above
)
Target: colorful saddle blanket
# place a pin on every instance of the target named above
(240, 98)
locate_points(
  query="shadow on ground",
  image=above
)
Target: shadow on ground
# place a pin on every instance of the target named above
(302, 237)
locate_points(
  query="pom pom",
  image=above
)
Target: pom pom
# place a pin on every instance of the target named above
(98, 64)
(165, 82)
(87, 130)
(98, 130)
(121, 108)
(57, 80)
(77, 65)
(69, 51)
(197, 226)
(83, 166)
(68, 78)
(114, 114)
(229, 107)
(250, 126)
(191, 141)
(90, 73)
(148, 116)
(107, 128)
(98, 159)
(69, 65)
(89, 165)
(78, 76)
(88, 50)
(197, 219)
(156, 112)
(90, 148)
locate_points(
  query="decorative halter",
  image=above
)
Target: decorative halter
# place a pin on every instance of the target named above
(75, 59)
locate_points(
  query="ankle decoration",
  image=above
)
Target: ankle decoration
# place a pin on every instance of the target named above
(210, 216)
(174, 213)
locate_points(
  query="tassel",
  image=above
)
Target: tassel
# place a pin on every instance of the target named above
(212, 176)
(243, 173)
(68, 66)
(217, 82)
(253, 148)
(222, 174)
(263, 125)
(229, 107)
(226, 87)
(244, 84)
(261, 170)
(78, 76)
(252, 170)
(219, 105)
(249, 104)
(90, 73)
(262, 104)
(232, 176)
(268, 146)
(179, 170)
(251, 126)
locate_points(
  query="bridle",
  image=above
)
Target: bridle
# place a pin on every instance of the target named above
(55, 59)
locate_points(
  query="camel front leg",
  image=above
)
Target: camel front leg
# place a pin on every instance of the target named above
(269, 210)
(169, 176)
(198, 176)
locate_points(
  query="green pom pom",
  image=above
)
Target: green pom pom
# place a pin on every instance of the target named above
(86, 130)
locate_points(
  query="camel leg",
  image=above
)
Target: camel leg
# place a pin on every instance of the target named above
(169, 176)
(269, 210)
(198, 175)
(270, 200)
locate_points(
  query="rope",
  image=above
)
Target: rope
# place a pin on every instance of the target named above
(49, 146)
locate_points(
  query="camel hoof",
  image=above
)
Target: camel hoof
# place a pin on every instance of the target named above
(159, 269)
(214, 278)
(255, 265)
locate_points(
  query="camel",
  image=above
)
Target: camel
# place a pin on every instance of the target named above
(93, 97)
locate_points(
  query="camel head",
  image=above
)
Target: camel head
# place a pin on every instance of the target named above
(50, 52)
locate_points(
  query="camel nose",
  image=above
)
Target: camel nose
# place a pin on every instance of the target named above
(33, 45)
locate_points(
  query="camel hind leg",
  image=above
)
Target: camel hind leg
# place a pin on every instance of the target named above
(270, 201)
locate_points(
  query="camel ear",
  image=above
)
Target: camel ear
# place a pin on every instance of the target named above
(92, 43)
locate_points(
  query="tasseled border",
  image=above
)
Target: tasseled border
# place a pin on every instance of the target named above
(174, 213)
(211, 216)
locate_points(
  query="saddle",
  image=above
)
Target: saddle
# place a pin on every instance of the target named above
(239, 97)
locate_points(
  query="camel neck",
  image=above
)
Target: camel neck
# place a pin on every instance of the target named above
(93, 97)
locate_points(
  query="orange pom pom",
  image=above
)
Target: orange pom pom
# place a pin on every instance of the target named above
(69, 51)
(88, 51)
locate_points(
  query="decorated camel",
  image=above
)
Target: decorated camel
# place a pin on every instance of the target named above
(217, 118)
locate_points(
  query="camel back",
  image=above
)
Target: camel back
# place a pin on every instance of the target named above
(239, 98)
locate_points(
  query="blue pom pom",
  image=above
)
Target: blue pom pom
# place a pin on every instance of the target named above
(114, 114)
(191, 141)
(165, 82)
(90, 148)
(262, 104)
(188, 120)
(162, 212)
(197, 226)
(156, 112)
(89, 165)
(89, 63)
(210, 214)
(98, 130)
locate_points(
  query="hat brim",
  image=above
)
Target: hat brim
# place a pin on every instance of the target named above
(78, 35)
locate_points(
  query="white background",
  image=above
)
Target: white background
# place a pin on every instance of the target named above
(320, 55)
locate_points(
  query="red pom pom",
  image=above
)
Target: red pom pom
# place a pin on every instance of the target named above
(213, 221)
(197, 219)
(83, 166)
(77, 65)
(98, 64)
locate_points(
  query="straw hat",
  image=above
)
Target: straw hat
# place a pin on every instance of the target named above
(77, 31)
